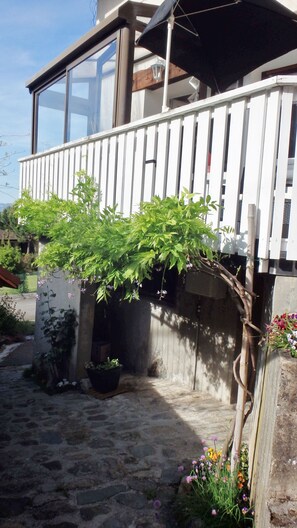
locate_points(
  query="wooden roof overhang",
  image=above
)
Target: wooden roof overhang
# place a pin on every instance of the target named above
(8, 279)
(122, 21)
(123, 16)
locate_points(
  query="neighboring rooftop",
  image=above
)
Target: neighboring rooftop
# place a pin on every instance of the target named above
(8, 279)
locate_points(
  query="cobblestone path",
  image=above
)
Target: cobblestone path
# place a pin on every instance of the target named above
(74, 461)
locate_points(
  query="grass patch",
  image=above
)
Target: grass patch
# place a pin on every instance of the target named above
(28, 285)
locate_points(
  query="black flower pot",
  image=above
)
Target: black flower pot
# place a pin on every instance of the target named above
(104, 380)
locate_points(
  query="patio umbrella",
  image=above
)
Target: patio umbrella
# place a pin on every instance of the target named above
(220, 41)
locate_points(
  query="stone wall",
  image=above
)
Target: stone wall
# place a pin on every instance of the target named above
(274, 485)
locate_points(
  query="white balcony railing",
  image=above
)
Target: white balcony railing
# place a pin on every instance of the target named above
(235, 146)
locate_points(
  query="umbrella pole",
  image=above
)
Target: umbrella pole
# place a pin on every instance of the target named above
(170, 25)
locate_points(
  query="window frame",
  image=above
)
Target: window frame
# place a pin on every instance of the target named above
(36, 108)
(64, 72)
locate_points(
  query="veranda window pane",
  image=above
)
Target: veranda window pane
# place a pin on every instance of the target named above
(91, 94)
(51, 115)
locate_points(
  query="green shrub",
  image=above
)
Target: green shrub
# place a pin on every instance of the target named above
(28, 262)
(11, 319)
(10, 257)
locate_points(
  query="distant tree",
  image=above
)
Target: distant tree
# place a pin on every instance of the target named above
(9, 223)
(10, 257)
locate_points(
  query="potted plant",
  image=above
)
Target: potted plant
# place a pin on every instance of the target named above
(104, 376)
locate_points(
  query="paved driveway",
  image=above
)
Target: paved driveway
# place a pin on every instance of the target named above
(27, 304)
(75, 461)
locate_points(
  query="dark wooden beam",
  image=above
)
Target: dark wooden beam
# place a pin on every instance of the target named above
(8, 279)
(144, 78)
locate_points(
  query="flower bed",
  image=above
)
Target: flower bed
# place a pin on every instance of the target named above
(214, 496)
(282, 333)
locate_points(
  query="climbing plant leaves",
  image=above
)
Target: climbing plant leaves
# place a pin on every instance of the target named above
(105, 248)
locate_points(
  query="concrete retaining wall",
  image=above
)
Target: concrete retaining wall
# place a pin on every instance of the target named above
(59, 293)
(192, 343)
(275, 460)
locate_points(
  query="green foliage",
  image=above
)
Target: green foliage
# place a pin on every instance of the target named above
(11, 319)
(36, 215)
(10, 257)
(9, 222)
(105, 365)
(29, 283)
(102, 246)
(68, 225)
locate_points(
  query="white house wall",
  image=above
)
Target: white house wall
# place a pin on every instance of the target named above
(145, 103)
(59, 293)
(285, 60)
(290, 4)
(183, 88)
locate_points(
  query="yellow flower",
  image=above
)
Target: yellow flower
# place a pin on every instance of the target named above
(213, 455)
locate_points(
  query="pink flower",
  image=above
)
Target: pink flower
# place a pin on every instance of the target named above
(157, 504)
(214, 512)
(189, 479)
(180, 469)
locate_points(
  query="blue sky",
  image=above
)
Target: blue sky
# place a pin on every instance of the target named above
(32, 33)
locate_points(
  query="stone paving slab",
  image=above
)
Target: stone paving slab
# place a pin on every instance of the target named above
(20, 354)
(74, 461)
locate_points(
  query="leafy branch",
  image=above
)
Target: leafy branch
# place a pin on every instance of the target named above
(103, 247)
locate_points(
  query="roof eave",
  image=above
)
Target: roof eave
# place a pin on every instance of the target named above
(123, 15)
